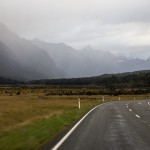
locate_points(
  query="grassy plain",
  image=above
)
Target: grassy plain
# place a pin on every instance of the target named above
(30, 116)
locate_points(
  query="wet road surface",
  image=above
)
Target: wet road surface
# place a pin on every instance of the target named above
(113, 126)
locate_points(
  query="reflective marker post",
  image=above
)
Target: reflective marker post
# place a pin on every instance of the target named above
(103, 99)
(79, 105)
(119, 98)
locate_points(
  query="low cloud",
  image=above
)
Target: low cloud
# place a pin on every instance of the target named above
(110, 25)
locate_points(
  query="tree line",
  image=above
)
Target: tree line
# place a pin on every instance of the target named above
(140, 79)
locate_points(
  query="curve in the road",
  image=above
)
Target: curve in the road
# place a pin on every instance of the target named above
(113, 126)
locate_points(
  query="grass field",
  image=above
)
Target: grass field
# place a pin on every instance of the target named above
(31, 116)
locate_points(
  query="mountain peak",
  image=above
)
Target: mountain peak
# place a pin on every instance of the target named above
(36, 39)
(88, 47)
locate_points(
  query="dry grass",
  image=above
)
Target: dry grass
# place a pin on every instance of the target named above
(20, 110)
(24, 109)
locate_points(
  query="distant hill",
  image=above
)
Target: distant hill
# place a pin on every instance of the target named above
(27, 61)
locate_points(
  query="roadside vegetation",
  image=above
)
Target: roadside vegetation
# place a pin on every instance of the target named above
(31, 116)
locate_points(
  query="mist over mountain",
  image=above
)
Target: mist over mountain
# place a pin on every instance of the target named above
(88, 61)
(36, 59)
(8, 66)
(33, 61)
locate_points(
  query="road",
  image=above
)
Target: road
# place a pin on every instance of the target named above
(113, 126)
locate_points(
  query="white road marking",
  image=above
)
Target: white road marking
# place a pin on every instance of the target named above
(70, 132)
(127, 106)
(137, 116)
(130, 110)
(139, 103)
(148, 103)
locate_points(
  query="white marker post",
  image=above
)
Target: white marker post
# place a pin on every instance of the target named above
(103, 99)
(119, 98)
(79, 105)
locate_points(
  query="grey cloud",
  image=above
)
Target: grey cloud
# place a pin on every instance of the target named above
(105, 24)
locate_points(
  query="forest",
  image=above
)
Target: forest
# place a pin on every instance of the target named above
(138, 79)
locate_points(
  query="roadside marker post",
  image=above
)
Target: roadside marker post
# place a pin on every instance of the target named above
(119, 98)
(103, 99)
(79, 104)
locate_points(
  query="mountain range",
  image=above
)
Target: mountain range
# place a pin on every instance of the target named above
(24, 59)
(90, 62)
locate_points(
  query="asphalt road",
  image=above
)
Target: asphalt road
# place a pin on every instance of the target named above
(113, 126)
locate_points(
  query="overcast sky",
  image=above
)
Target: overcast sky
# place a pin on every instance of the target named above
(115, 25)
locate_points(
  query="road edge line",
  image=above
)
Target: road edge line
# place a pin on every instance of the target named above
(73, 128)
